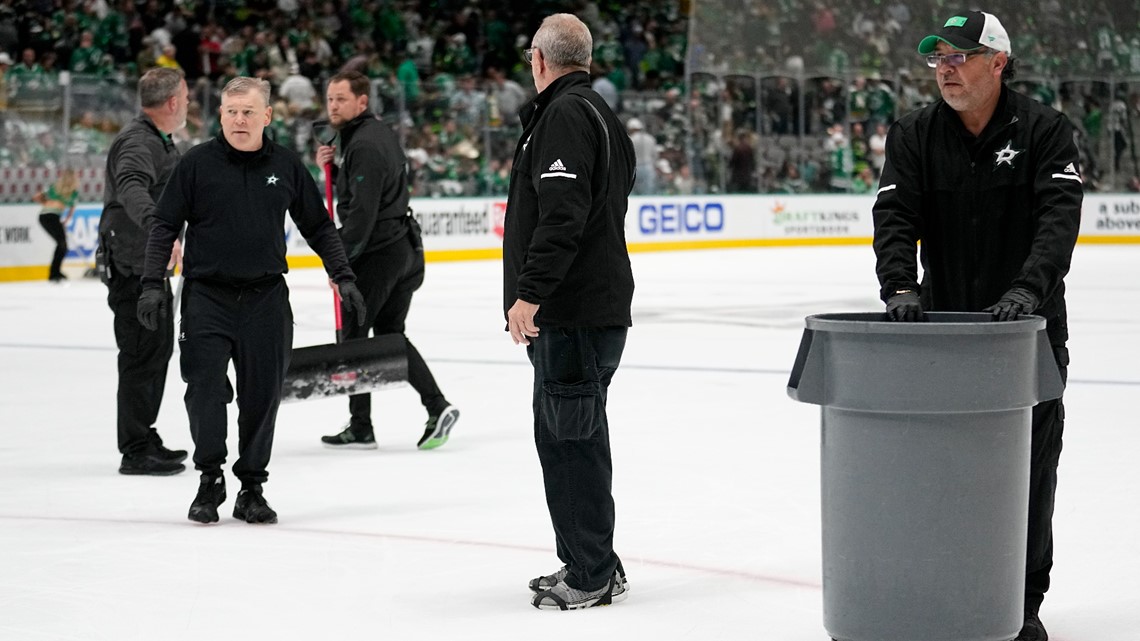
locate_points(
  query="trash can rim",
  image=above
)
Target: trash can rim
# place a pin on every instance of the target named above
(943, 323)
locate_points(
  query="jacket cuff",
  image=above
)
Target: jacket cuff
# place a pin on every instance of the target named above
(151, 283)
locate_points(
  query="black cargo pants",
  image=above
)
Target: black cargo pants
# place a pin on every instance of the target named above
(143, 359)
(572, 373)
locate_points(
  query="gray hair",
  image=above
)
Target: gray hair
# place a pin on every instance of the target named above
(565, 42)
(159, 85)
(245, 84)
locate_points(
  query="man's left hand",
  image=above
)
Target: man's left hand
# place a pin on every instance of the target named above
(352, 300)
(1012, 304)
(520, 321)
(151, 308)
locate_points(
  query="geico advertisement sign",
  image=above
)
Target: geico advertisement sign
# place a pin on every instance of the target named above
(677, 217)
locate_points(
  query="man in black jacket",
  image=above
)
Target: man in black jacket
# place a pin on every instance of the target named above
(384, 248)
(232, 193)
(138, 165)
(566, 270)
(989, 181)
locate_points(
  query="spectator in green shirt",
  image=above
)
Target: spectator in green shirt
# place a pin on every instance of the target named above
(56, 200)
(87, 58)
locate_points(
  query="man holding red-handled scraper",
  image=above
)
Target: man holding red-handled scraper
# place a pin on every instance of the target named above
(384, 248)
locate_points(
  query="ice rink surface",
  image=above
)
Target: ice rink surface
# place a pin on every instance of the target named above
(716, 473)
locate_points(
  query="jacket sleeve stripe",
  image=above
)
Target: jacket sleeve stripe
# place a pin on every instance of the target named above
(1069, 177)
(887, 188)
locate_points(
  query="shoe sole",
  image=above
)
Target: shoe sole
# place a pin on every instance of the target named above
(442, 432)
(130, 472)
(536, 586)
(351, 446)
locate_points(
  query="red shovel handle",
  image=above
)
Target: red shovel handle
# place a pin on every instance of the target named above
(332, 217)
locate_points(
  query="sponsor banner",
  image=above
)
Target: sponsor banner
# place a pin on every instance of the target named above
(22, 241)
(83, 234)
(704, 220)
(823, 216)
(672, 219)
(470, 228)
(447, 224)
(1111, 216)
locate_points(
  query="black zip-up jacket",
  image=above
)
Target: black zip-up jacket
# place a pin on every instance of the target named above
(233, 203)
(994, 212)
(371, 186)
(138, 165)
(564, 232)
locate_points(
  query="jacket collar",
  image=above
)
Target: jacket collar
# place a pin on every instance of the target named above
(147, 122)
(1005, 113)
(346, 132)
(246, 156)
(561, 85)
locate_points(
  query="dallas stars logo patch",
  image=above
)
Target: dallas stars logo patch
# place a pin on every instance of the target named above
(1006, 155)
(271, 180)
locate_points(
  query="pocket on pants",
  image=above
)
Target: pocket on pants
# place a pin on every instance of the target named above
(572, 412)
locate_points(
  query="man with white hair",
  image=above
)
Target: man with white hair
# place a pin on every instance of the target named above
(232, 193)
(566, 270)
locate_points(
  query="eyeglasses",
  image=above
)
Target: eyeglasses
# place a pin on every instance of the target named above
(529, 54)
(952, 59)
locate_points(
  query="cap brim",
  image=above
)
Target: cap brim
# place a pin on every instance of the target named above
(930, 43)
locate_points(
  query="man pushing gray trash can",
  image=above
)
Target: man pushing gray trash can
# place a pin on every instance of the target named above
(989, 181)
(924, 470)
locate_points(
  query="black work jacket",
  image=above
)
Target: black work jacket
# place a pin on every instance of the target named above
(139, 163)
(233, 204)
(994, 212)
(371, 186)
(564, 230)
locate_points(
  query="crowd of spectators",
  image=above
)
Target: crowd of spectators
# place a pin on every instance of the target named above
(782, 96)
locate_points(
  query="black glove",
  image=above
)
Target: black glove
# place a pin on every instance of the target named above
(352, 300)
(151, 308)
(903, 305)
(1012, 304)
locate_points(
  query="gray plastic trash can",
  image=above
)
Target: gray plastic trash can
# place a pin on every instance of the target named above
(925, 470)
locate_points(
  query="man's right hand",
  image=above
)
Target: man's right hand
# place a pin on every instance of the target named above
(325, 155)
(175, 261)
(904, 306)
(151, 308)
(520, 322)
